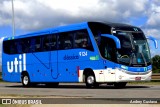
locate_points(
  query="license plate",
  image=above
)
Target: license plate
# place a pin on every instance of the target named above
(137, 78)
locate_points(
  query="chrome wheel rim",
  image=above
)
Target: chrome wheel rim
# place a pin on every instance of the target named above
(25, 80)
(90, 80)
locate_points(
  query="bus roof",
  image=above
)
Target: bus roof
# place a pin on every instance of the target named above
(52, 30)
(71, 27)
(115, 26)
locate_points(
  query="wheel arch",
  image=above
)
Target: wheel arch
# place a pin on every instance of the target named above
(24, 73)
(88, 71)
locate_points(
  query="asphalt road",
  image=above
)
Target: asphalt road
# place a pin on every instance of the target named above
(78, 90)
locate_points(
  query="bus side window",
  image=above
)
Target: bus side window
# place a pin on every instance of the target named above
(65, 41)
(37, 44)
(32, 45)
(82, 40)
(19, 47)
(12, 50)
(53, 42)
(13, 47)
(25, 45)
(6, 47)
(60, 42)
(45, 43)
(9, 47)
(97, 37)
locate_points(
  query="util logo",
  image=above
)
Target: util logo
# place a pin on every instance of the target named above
(18, 63)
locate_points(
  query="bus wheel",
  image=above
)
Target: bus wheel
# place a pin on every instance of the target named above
(25, 80)
(120, 84)
(90, 81)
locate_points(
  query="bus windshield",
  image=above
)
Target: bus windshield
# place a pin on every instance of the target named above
(134, 49)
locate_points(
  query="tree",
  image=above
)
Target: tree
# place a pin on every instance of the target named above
(156, 64)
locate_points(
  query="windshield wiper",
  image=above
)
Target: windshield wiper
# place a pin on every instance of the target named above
(131, 39)
(131, 59)
(144, 59)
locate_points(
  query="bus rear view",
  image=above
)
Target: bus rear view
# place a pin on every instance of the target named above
(90, 52)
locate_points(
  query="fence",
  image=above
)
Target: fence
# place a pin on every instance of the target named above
(156, 76)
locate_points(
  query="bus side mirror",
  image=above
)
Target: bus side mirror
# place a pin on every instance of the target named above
(154, 40)
(116, 40)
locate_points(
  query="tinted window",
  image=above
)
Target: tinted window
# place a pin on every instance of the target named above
(25, 45)
(49, 42)
(53, 42)
(82, 40)
(65, 41)
(62, 41)
(10, 47)
(107, 49)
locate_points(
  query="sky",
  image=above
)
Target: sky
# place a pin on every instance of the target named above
(34, 15)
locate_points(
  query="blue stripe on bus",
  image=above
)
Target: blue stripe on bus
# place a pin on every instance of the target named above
(136, 69)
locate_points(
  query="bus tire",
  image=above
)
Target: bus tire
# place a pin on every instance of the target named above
(91, 81)
(120, 84)
(25, 80)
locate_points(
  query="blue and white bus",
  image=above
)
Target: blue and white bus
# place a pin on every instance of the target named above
(90, 52)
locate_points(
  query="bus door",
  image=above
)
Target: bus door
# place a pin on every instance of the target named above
(108, 52)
